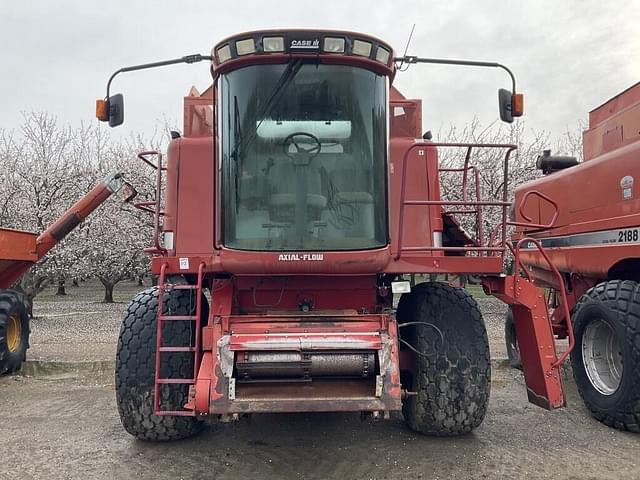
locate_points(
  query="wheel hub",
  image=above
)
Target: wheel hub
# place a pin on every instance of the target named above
(602, 357)
(14, 333)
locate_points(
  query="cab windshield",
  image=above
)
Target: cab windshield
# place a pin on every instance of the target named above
(303, 148)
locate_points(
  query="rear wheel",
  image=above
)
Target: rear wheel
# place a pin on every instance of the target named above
(135, 366)
(606, 357)
(513, 350)
(14, 331)
(451, 372)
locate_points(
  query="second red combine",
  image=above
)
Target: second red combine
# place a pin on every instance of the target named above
(589, 221)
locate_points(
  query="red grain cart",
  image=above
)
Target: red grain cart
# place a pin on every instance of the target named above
(587, 217)
(20, 250)
(299, 195)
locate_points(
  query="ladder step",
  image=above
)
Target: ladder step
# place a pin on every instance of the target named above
(177, 317)
(176, 413)
(176, 381)
(177, 349)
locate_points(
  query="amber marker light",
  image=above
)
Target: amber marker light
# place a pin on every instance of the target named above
(102, 110)
(517, 104)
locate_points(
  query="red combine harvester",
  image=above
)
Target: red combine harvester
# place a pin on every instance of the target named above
(298, 197)
(20, 250)
(587, 217)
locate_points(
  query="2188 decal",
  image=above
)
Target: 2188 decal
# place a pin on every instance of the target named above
(628, 235)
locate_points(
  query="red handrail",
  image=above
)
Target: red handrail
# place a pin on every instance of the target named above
(477, 204)
(563, 292)
(530, 222)
(157, 211)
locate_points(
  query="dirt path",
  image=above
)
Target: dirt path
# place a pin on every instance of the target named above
(57, 427)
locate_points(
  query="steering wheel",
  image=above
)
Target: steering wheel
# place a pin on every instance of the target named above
(311, 152)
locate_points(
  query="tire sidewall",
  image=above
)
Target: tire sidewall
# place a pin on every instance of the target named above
(11, 361)
(511, 341)
(589, 312)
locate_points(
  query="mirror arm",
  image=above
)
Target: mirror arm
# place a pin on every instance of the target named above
(411, 59)
(186, 59)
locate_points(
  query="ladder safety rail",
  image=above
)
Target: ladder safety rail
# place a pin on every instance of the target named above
(563, 292)
(469, 207)
(155, 206)
(529, 221)
(147, 153)
(196, 349)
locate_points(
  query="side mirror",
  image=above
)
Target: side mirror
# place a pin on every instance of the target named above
(510, 105)
(111, 110)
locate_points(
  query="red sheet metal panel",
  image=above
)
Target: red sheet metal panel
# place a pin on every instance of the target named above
(535, 337)
(17, 254)
(17, 245)
(613, 124)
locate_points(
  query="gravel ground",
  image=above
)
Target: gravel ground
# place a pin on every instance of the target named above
(79, 327)
(67, 428)
(493, 312)
(63, 423)
(74, 331)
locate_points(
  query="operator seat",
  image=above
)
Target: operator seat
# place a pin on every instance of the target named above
(282, 185)
(351, 198)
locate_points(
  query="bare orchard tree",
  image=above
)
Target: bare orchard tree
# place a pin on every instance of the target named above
(113, 246)
(570, 142)
(41, 177)
(11, 195)
(114, 238)
(45, 168)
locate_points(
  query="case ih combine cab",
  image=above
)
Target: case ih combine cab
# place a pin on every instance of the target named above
(589, 223)
(287, 215)
(20, 250)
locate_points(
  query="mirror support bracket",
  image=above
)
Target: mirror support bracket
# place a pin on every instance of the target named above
(111, 109)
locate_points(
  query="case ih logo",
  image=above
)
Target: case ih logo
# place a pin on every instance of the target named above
(306, 44)
(301, 257)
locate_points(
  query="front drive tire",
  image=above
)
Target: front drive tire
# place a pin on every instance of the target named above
(14, 331)
(135, 365)
(606, 357)
(452, 377)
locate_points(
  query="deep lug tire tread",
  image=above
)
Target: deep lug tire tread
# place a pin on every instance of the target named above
(619, 301)
(12, 303)
(453, 381)
(135, 366)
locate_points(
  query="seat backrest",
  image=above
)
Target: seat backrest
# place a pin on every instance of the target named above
(349, 181)
(282, 177)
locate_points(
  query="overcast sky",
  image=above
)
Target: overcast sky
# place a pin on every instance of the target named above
(568, 56)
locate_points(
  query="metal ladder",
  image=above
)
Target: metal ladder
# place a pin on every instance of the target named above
(163, 316)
